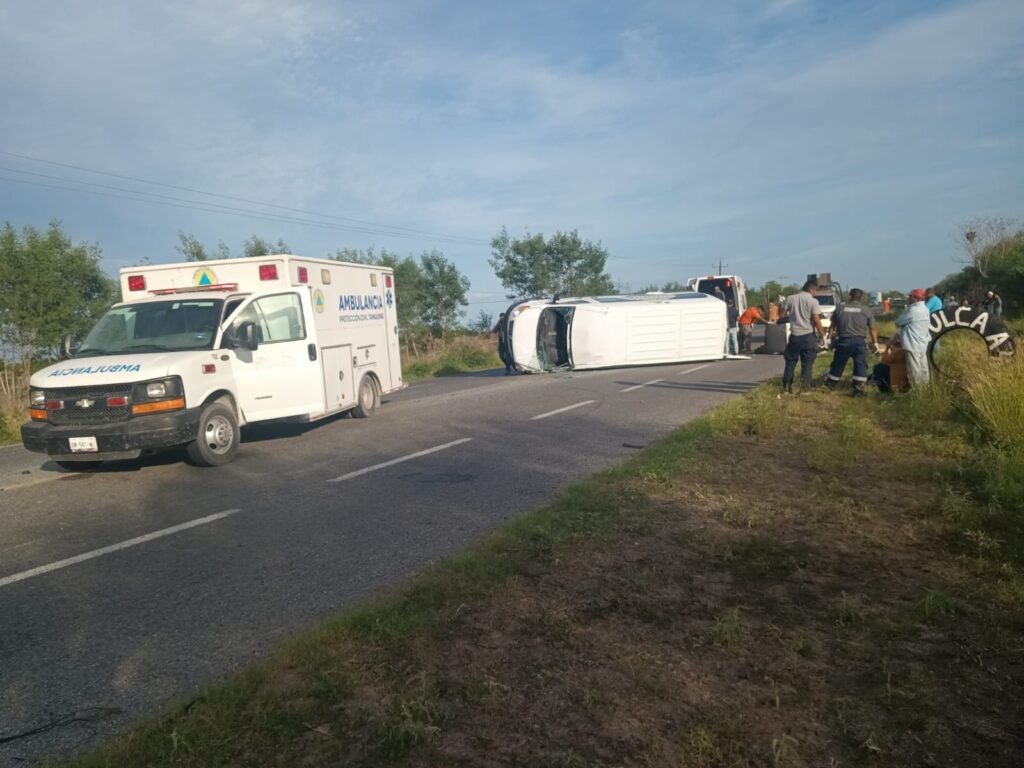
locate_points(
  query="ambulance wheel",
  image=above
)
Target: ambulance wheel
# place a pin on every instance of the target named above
(217, 441)
(368, 399)
(78, 466)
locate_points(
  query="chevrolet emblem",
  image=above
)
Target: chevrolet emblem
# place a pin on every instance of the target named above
(85, 403)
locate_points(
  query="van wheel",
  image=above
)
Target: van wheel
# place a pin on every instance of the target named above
(368, 399)
(218, 437)
(78, 466)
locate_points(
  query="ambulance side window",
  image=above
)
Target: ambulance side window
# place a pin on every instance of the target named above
(277, 318)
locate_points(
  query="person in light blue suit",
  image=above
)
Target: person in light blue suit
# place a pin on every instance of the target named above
(915, 333)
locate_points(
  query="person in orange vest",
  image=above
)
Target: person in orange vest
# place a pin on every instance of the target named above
(886, 305)
(750, 316)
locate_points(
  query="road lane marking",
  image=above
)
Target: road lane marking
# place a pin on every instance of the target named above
(562, 410)
(638, 386)
(8, 580)
(399, 460)
(693, 370)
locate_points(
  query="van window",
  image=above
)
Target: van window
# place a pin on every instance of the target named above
(277, 318)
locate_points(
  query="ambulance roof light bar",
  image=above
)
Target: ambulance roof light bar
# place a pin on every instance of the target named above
(194, 288)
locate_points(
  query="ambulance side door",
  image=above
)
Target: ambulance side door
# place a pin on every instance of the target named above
(283, 376)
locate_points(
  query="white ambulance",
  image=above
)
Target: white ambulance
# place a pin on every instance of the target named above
(197, 350)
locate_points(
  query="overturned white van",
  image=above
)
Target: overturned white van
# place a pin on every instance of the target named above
(610, 331)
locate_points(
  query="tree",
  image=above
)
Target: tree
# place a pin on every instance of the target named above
(49, 287)
(257, 246)
(443, 292)
(1004, 264)
(564, 265)
(193, 249)
(484, 322)
(987, 241)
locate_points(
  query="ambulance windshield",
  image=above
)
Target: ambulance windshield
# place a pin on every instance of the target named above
(155, 326)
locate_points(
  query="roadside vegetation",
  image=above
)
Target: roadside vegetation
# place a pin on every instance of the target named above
(805, 581)
(460, 354)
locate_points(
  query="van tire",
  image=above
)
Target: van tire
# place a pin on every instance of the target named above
(78, 466)
(367, 399)
(217, 438)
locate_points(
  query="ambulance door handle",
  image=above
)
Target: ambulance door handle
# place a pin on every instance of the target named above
(312, 351)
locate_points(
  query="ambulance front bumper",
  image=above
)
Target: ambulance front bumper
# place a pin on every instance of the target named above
(118, 440)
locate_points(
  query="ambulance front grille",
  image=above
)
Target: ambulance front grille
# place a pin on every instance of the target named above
(88, 405)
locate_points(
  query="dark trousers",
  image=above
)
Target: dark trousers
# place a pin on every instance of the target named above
(848, 347)
(880, 375)
(802, 348)
(506, 358)
(746, 337)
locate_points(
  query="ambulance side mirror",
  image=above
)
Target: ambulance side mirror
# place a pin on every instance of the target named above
(247, 338)
(70, 345)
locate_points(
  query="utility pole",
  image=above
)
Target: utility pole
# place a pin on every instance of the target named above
(719, 266)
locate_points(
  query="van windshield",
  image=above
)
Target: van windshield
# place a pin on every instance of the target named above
(156, 326)
(553, 337)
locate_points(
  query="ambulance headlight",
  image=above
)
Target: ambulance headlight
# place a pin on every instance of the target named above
(158, 389)
(37, 398)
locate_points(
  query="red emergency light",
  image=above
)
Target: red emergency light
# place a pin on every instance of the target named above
(303, 275)
(268, 271)
(119, 401)
(387, 280)
(136, 282)
(728, 283)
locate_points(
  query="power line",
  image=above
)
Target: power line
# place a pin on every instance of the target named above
(384, 228)
(198, 205)
(206, 208)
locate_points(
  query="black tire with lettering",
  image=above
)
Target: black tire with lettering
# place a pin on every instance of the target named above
(367, 399)
(218, 437)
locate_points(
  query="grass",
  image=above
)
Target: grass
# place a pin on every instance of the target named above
(459, 355)
(838, 583)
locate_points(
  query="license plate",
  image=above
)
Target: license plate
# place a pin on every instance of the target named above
(83, 444)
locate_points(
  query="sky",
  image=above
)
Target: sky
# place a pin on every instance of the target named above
(780, 137)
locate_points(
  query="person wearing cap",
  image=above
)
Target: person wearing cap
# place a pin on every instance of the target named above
(992, 304)
(803, 313)
(915, 334)
(851, 324)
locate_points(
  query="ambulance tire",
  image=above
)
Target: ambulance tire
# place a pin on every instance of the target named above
(368, 398)
(218, 436)
(78, 466)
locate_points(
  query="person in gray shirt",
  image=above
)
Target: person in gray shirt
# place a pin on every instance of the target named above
(851, 324)
(804, 316)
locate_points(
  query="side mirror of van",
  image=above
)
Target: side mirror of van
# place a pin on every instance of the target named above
(247, 338)
(70, 345)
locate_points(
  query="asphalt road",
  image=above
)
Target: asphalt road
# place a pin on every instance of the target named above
(125, 588)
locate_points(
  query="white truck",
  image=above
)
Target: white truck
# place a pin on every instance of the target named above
(731, 287)
(197, 350)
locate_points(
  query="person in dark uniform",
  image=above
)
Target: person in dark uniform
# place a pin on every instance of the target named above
(503, 351)
(851, 324)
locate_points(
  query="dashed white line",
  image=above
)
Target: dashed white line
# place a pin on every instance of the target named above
(638, 386)
(8, 580)
(693, 370)
(382, 465)
(561, 410)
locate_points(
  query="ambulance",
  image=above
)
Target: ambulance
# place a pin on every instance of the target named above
(197, 350)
